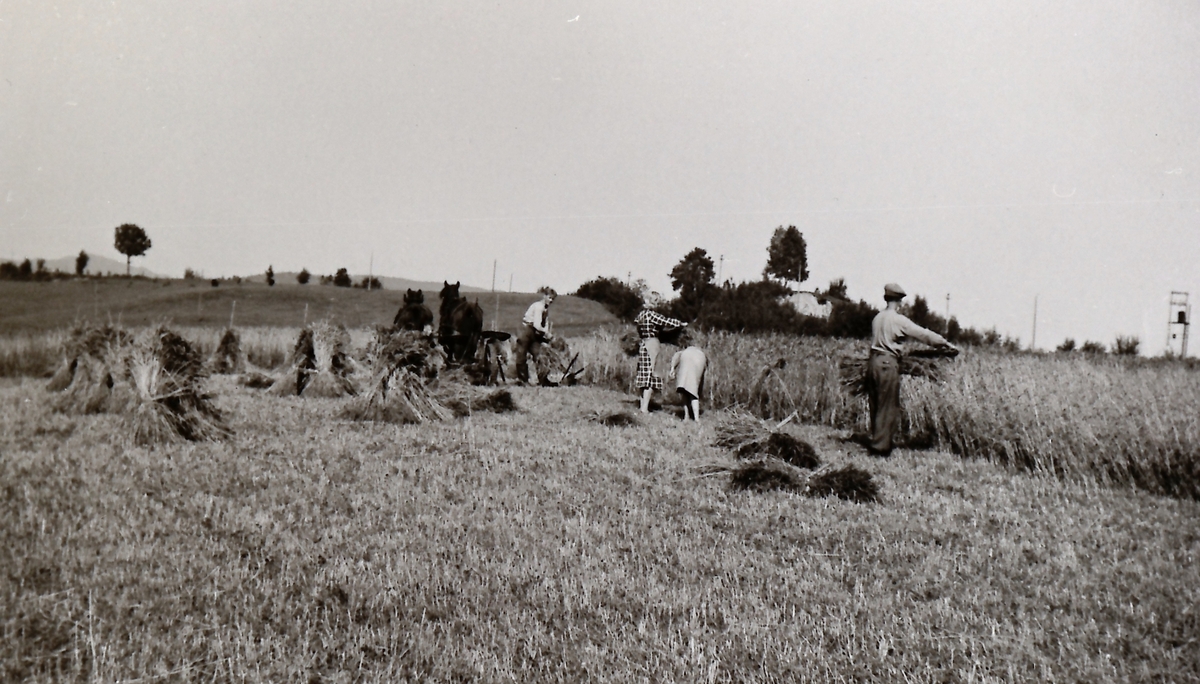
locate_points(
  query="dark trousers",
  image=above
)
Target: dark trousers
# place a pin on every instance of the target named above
(883, 383)
(526, 341)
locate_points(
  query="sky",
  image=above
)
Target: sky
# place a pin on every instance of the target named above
(1008, 155)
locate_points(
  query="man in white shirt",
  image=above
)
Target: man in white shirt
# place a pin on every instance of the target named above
(535, 331)
(883, 368)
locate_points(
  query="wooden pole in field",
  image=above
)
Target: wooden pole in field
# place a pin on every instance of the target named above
(1033, 342)
(496, 318)
(305, 313)
(232, 311)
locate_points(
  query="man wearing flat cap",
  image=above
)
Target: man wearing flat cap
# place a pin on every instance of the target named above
(883, 368)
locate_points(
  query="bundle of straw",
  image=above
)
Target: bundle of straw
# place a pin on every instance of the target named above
(95, 344)
(845, 482)
(397, 396)
(749, 437)
(918, 363)
(165, 400)
(228, 357)
(465, 400)
(403, 362)
(555, 365)
(331, 364)
(299, 365)
(616, 419)
(319, 365)
(92, 358)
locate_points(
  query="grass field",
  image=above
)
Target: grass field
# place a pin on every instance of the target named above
(1096, 420)
(34, 307)
(543, 546)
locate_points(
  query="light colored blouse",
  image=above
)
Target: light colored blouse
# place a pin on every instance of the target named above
(688, 366)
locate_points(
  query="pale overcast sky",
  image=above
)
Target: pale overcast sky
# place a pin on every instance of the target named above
(995, 152)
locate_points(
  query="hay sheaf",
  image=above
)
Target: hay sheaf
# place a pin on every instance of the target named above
(404, 363)
(617, 419)
(929, 364)
(319, 365)
(784, 447)
(256, 380)
(397, 396)
(466, 400)
(90, 347)
(846, 482)
(228, 357)
(749, 437)
(163, 399)
(555, 365)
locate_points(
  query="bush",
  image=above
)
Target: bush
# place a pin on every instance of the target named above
(850, 320)
(746, 307)
(1126, 345)
(342, 278)
(303, 276)
(622, 300)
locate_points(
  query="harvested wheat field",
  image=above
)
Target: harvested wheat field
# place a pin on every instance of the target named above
(542, 544)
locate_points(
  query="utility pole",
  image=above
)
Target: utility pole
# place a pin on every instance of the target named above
(496, 318)
(232, 311)
(947, 313)
(371, 271)
(720, 269)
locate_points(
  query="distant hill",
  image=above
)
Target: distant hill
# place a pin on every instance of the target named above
(31, 306)
(389, 283)
(98, 265)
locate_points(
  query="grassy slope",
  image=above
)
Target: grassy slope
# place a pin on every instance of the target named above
(31, 307)
(542, 546)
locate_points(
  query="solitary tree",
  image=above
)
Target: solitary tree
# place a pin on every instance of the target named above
(342, 278)
(270, 276)
(692, 275)
(131, 241)
(81, 263)
(787, 257)
(303, 276)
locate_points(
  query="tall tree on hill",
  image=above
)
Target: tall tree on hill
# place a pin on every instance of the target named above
(787, 257)
(342, 278)
(270, 276)
(131, 241)
(81, 262)
(303, 276)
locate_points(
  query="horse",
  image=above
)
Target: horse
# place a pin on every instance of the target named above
(460, 324)
(414, 315)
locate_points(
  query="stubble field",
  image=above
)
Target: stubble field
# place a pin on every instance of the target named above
(542, 545)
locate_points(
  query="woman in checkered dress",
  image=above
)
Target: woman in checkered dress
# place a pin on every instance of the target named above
(650, 325)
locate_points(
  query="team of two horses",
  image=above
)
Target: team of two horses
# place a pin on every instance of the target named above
(460, 323)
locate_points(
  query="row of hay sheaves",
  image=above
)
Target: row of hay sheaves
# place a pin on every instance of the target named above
(156, 379)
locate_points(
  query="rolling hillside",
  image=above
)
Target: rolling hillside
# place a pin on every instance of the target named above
(31, 306)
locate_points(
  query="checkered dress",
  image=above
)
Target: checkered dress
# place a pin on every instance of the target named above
(650, 325)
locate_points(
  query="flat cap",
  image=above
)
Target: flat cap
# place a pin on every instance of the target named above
(893, 290)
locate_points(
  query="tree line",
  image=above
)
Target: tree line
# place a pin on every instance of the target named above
(761, 305)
